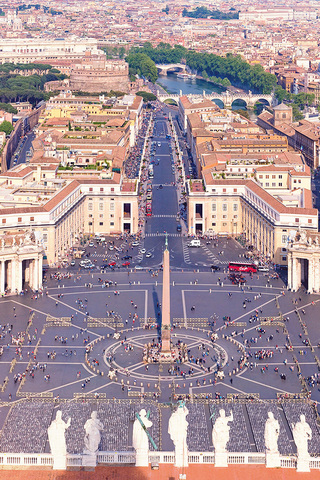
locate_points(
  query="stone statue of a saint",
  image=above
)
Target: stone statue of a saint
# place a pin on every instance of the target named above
(178, 429)
(57, 441)
(271, 434)
(220, 431)
(301, 434)
(303, 236)
(92, 437)
(14, 243)
(316, 241)
(140, 439)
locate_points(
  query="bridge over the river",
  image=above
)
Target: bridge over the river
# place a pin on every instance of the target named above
(172, 67)
(227, 98)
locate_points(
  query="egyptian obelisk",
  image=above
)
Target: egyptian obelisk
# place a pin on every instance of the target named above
(165, 319)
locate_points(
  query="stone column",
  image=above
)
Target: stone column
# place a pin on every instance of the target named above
(36, 274)
(3, 276)
(31, 268)
(13, 284)
(316, 274)
(19, 279)
(310, 275)
(40, 271)
(290, 270)
(297, 276)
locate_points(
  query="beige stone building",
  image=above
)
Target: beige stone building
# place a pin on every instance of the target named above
(234, 207)
(62, 211)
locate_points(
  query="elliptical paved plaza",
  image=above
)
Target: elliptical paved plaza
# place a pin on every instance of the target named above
(57, 343)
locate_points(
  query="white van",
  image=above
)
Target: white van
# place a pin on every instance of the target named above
(195, 243)
(263, 268)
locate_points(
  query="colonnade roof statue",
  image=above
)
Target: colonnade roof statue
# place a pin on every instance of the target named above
(57, 441)
(302, 433)
(178, 431)
(92, 437)
(220, 431)
(271, 434)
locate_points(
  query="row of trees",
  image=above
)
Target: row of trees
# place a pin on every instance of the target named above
(231, 67)
(204, 12)
(10, 67)
(16, 88)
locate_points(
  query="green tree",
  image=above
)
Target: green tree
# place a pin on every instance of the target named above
(147, 96)
(6, 127)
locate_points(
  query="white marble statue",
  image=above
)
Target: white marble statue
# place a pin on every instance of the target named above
(301, 434)
(303, 236)
(271, 434)
(220, 432)
(92, 437)
(57, 441)
(140, 439)
(178, 429)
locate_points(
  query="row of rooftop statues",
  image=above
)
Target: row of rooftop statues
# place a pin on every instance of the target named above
(178, 429)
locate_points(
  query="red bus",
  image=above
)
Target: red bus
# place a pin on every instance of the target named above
(242, 267)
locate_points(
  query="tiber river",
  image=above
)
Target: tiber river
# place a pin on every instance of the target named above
(173, 84)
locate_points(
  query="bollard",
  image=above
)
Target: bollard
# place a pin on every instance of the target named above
(156, 283)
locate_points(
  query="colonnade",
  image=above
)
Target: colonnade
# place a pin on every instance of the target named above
(299, 271)
(16, 270)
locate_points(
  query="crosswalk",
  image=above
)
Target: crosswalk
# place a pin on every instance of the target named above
(211, 255)
(163, 234)
(186, 254)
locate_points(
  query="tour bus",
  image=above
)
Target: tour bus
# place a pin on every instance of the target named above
(150, 171)
(242, 267)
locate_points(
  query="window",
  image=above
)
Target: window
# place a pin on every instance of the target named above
(90, 223)
(273, 177)
(90, 189)
(90, 215)
(111, 224)
(260, 176)
(224, 207)
(280, 184)
(274, 184)
(296, 220)
(31, 219)
(309, 220)
(213, 224)
(235, 207)
(235, 216)
(101, 215)
(45, 237)
(112, 189)
(267, 184)
(283, 250)
(214, 207)
(214, 216)
(224, 224)
(284, 238)
(90, 206)
(224, 190)
(224, 216)
(4, 220)
(267, 176)
(101, 189)
(280, 176)
(100, 206)
(19, 219)
(112, 206)
(100, 223)
(235, 190)
(284, 259)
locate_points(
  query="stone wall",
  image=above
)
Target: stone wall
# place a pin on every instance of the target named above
(96, 81)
